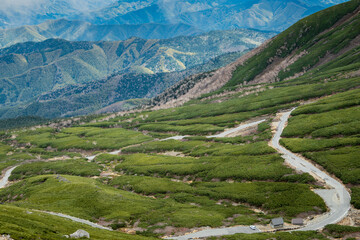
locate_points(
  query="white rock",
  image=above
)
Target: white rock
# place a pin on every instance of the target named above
(5, 237)
(79, 234)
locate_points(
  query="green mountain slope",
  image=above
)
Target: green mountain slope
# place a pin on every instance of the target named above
(310, 43)
(317, 57)
(323, 43)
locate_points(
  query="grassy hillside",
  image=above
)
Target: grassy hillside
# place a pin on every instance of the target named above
(327, 132)
(317, 39)
(158, 188)
(24, 224)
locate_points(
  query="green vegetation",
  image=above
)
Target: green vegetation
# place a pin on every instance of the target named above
(76, 167)
(200, 148)
(191, 129)
(107, 158)
(355, 197)
(304, 35)
(234, 109)
(306, 124)
(197, 181)
(89, 199)
(267, 167)
(309, 145)
(51, 155)
(22, 223)
(327, 132)
(21, 122)
(339, 231)
(274, 197)
(87, 138)
(343, 162)
(9, 156)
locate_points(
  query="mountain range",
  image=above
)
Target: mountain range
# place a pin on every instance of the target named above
(83, 31)
(32, 69)
(151, 19)
(265, 147)
(208, 15)
(29, 12)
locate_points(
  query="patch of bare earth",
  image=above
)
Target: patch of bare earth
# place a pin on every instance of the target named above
(352, 219)
(213, 82)
(270, 74)
(173, 154)
(244, 90)
(343, 20)
(330, 56)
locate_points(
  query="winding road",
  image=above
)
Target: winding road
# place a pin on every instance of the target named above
(5, 180)
(79, 220)
(336, 197)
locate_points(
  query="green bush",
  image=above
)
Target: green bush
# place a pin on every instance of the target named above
(340, 231)
(355, 197)
(21, 224)
(77, 167)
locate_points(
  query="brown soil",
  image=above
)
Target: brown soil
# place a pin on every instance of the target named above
(215, 81)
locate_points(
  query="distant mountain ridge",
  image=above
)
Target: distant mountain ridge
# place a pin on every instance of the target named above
(15, 13)
(84, 31)
(32, 69)
(147, 18)
(315, 47)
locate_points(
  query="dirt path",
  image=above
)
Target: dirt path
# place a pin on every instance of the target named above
(5, 180)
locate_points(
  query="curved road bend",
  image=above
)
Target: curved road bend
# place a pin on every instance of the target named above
(337, 198)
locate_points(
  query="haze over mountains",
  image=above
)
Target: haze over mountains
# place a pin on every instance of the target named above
(152, 18)
(30, 12)
(32, 69)
(84, 31)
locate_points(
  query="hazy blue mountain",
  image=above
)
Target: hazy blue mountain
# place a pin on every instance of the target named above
(15, 13)
(205, 15)
(213, 14)
(31, 69)
(84, 31)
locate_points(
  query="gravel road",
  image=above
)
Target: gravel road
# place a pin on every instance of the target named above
(211, 232)
(337, 198)
(4, 181)
(233, 130)
(79, 220)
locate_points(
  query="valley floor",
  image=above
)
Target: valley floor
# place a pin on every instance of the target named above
(338, 209)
